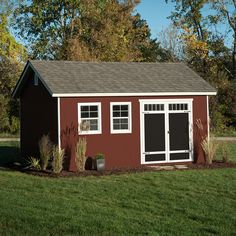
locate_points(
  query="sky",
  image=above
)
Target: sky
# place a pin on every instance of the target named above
(155, 12)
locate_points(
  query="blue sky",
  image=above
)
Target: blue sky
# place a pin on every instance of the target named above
(155, 12)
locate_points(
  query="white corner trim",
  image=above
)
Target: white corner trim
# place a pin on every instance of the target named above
(126, 131)
(59, 123)
(208, 118)
(99, 131)
(132, 94)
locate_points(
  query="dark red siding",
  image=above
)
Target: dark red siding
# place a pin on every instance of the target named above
(121, 150)
(38, 117)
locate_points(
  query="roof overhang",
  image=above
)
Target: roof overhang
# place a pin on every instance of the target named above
(133, 94)
(23, 78)
(21, 81)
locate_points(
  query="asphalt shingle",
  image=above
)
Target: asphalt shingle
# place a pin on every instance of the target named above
(64, 77)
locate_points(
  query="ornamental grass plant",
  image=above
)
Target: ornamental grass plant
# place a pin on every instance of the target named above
(57, 160)
(209, 146)
(45, 150)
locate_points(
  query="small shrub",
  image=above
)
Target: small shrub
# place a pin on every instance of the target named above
(34, 163)
(99, 156)
(209, 146)
(45, 149)
(225, 152)
(58, 158)
(81, 147)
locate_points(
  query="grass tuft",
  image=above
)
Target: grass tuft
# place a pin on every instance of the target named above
(34, 163)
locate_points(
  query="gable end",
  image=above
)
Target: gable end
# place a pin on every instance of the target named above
(23, 79)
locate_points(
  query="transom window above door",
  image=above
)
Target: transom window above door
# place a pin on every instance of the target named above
(178, 106)
(89, 118)
(120, 115)
(154, 107)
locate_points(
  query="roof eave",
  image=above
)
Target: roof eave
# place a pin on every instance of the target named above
(211, 93)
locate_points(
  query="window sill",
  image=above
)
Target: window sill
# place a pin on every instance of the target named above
(121, 131)
(88, 133)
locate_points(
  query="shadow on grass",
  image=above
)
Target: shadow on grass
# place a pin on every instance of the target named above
(9, 154)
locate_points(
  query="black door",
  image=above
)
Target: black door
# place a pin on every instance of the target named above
(154, 137)
(179, 135)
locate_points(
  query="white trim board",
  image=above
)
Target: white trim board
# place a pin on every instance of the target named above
(59, 123)
(132, 94)
(208, 118)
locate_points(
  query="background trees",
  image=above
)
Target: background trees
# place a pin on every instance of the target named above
(206, 50)
(90, 30)
(11, 56)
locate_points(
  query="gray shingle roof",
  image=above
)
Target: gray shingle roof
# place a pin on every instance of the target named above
(63, 77)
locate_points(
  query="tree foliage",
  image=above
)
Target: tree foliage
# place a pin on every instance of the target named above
(12, 54)
(172, 42)
(89, 30)
(206, 52)
(45, 25)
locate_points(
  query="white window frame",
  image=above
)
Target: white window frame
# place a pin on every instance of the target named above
(121, 131)
(99, 131)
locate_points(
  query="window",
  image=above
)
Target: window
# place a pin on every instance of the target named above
(178, 107)
(154, 107)
(36, 80)
(89, 118)
(120, 117)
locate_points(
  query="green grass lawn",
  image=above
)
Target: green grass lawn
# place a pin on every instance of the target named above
(193, 202)
(232, 151)
(196, 202)
(9, 152)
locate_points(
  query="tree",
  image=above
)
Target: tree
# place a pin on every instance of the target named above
(102, 30)
(12, 54)
(188, 17)
(170, 40)
(226, 12)
(45, 25)
(110, 33)
(206, 53)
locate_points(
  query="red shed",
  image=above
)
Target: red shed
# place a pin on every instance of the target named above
(139, 113)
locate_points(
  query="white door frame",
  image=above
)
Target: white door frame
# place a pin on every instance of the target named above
(166, 112)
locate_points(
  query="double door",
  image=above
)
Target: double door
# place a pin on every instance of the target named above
(166, 131)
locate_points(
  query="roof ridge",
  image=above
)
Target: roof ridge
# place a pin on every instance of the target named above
(106, 62)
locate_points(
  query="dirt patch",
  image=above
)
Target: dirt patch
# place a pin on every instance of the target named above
(214, 165)
(85, 173)
(191, 166)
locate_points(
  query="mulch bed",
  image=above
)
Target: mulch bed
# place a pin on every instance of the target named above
(214, 165)
(48, 173)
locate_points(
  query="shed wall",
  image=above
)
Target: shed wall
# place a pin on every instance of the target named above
(121, 150)
(38, 116)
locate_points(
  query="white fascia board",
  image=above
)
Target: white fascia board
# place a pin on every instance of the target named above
(132, 94)
(29, 64)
